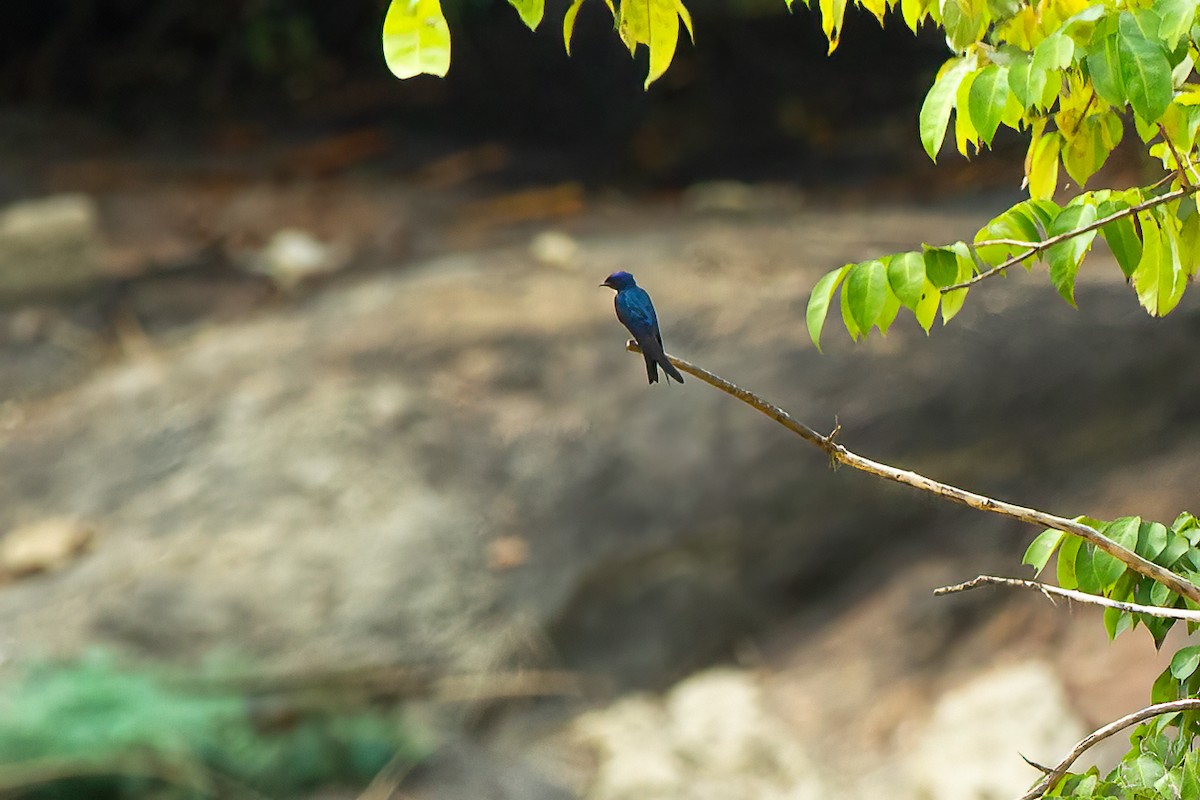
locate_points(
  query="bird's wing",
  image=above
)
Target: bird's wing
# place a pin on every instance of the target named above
(636, 312)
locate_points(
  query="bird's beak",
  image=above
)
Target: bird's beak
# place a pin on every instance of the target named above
(603, 285)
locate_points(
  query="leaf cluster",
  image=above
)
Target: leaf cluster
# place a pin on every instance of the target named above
(1161, 762)
(1154, 236)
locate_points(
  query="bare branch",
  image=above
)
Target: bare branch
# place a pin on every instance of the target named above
(1082, 597)
(1051, 780)
(1046, 244)
(977, 501)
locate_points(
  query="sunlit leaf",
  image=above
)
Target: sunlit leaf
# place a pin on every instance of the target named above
(1104, 67)
(569, 23)
(1043, 165)
(530, 11)
(866, 293)
(1145, 72)
(891, 308)
(416, 38)
(1121, 237)
(927, 307)
(818, 302)
(1066, 256)
(1159, 278)
(1176, 19)
(952, 302)
(1038, 554)
(988, 97)
(1068, 551)
(1152, 539)
(654, 23)
(935, 111)
(941, 265)
(833, 13)
(906, 276)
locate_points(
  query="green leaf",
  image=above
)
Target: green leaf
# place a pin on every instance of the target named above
(866, 293)
(1145, 71)
(1176, 546)
(1185, 662)
(654, 23)
(1090, 580)
(1108, 569)
(1143, 771)
(1121, 237)
(1068, 551)
(1054, 52)
(1176, 16)
(1117, 622)
(927, 307)
(1125, 531)
(1018, 224)
(1184, 522)
(1038, 554)
(1104, 66)
(531, 11)
(852, 328)
(935, 111)
(1026, 83)
(1165, 688)
(1159, 278)
(1065, 257)
(906, 276)
(1152, 539)
(952, 302)
(941, 265)
(416, 38)
(818, 302)
(891, 308)
(569, 23)
(988, 97)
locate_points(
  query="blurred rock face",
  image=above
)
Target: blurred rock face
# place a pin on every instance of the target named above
(460, 466)
(48, 246)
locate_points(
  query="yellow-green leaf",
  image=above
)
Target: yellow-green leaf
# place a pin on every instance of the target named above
(654, 23)
(988, 97)
(1042, 167)
(906, 276)
(569, 23)
(935, 111)
(416, 38)
(818, 302)
(833, 13)
(866, 293)
(531, 11)
(1159, 278)
(927, 307)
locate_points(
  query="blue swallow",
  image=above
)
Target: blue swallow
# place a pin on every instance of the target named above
(636, 312)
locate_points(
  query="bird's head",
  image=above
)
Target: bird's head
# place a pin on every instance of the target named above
(619, 281)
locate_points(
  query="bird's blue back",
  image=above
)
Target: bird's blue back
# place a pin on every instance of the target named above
(636, 312)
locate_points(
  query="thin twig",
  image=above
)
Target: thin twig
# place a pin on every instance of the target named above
(1046, 244)
(977, 501)
(1187, 181)
(1051, 780)
(1082, 597)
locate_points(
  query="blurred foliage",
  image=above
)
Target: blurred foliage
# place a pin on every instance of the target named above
(94, 729)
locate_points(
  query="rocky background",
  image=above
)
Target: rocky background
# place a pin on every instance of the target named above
(333, 404)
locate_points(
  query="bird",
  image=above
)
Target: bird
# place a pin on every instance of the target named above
(636, 312)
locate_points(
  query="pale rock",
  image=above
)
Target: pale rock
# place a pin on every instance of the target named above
(972, 744)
